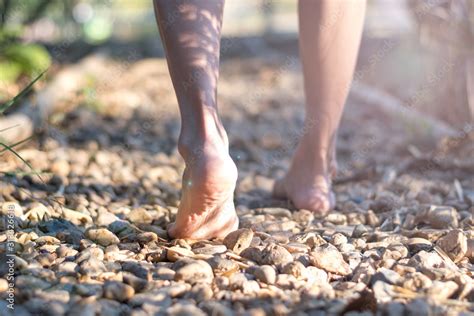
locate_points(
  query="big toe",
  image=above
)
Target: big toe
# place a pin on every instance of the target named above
(320, 203)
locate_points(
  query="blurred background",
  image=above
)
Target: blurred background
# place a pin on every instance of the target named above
(419, 51)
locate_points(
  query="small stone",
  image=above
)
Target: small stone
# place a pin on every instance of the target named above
(137, 269)
(316, 275)
(418, 306)
(252, 253)
(441, 217)
(265, 274)
(131, 279)
(86, 289)
(454, 244)
(250, 287)
(158, 255)
(383, 292)
(296, 269)
(91, 252)
(75, 217)
(118, 291)
(105, 219)
(328, 258)
(164, 273)
(64, 251)
(387, 276)
(470, 249)
(140, 216)
(359, 231)
(102, 236)
(200, 292)
(338, 239)
(194, 272)
(67, 268)
(60, 167)
(276, 255)
(92, 267)
(417, 244)
(304, 217)
(237, 281)
(372, 219)
(222, 266)
(440, 291)
(238, 240)
(176, 253)
(426, 260)
(184, 309)
(210, 250)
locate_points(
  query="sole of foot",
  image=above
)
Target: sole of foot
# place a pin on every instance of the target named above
(206, 210)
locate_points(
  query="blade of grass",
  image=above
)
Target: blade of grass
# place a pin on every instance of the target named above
(7, 128)
(21, 158)
(23, 92)
(16, 144)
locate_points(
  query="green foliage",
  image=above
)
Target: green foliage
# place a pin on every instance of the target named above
(22, 59)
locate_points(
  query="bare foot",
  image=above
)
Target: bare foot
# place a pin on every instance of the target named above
(207, 208)
(308, 181)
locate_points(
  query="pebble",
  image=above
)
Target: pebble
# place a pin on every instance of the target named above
(296, 269)
(265, 274)
(359, 231)
(239, 240)
(75, 217)
(387, 276)
(417, 244)
(222, 266)
(454, 244)
(276, 255)
(441, 217)
(118, 291)
(131, 279)
(328, 258)
(210, 250)
(140, 216)
(102, 236)
(426, 260)
(92, 267)
(194, 272)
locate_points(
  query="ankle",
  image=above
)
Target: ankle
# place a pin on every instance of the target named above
(198, 148)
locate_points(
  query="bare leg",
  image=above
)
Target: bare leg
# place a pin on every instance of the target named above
(330, 32)
(190, 30)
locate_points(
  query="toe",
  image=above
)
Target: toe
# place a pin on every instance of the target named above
(319, 203)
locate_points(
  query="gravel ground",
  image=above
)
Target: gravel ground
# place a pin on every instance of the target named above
(90, 235)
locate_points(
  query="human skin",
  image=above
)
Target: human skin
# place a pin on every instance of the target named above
(330, 32)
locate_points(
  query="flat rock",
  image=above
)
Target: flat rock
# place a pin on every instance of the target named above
(328, 258)
(140, 216)
(118, 291)
(194, 272)
(238, 240)
(454, 244)
(102, 236)
(265, 274)
(276, 255)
